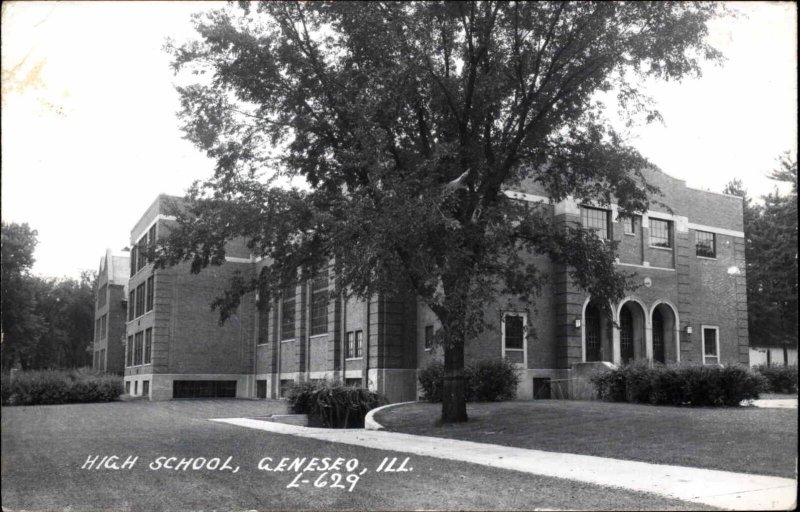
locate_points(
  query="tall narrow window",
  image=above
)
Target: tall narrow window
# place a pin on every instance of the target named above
(359, 344)
(658, 336)
(428, 336)
(705, 244)
(513, 334)
(593, 334)
(102, 296)
(148, 346)
(129, 352)
(287, 319)
(596, 219)
(319, 303)
(660, 233)
(104, 326)
(151, 238)
(351, 345)
(131, 305)
(97, 330)
(626, 334)
(102, 360)
(628, 224)
(137, 348)
(133, 260)
(140, 291)
(141, 260)
(151, 283)
(710, 345)
(263, 319)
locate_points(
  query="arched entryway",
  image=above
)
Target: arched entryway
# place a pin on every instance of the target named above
(664, 328)
(632, 325)
(596, 334)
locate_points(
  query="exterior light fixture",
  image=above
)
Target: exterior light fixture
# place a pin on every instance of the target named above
(688, 329)
(577, 323)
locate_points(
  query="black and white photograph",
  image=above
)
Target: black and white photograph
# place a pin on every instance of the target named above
(407, 255)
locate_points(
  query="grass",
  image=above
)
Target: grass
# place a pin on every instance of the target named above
(744, 439)
(43, 448)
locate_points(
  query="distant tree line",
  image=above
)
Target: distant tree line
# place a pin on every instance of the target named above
(771, 252)
(46, 322)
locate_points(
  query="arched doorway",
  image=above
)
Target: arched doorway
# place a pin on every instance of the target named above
(664, 325)
(631, 332)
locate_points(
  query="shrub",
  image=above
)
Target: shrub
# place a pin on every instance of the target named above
(59, 387)
(333, 405)
(492, 381)
(677, 385)
(431, 379)
(485, 381)
(780, 379)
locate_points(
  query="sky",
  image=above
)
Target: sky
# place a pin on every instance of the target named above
(90, 134)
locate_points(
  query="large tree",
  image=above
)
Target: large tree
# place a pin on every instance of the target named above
(406, 122)
(771, 253)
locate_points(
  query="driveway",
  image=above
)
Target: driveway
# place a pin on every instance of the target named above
(175, 446)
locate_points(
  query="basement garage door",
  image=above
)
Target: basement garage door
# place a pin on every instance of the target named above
(204, 389)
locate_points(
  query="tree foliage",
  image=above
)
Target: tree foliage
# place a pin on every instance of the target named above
(771, 254)
(407, 122)
(47, 323)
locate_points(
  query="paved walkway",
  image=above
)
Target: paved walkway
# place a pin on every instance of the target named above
(737, 491)
(777, 403)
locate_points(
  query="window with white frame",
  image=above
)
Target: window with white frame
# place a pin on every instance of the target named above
(513, 332)
(628, 224)
(287, 311)
(319, 303)
(705, 244)
(596, 219)
(660, 233)
(710, 344)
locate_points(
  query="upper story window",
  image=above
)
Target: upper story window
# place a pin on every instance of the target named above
(513, 337)
(134, 253)
(104, 326)
(660, 233)
(140, 300)
(137, 348)
(151, 283)
(102, 296)
(596, 219)
(131, 305)
(428, 337)
(629, 223)
(148, 346)
(287, 317)
(705, 244)
(319, 303)
(129, 352)
(263, 318)
(97, 330)
(141, 259)
(354, 346)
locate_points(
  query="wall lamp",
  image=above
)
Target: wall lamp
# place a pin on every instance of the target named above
(577, 323)
(688, 329)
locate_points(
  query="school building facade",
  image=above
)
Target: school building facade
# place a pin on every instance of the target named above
(690, 307)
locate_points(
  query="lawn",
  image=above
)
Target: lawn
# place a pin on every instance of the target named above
(742, 439)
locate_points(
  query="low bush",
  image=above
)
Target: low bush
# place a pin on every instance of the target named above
(781, 379)
(679, 385)
(59, 387)
(332, 404)
(490, 380)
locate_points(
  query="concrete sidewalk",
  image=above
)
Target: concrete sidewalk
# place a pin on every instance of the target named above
(737, 491)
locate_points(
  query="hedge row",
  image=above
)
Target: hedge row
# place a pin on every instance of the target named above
(680, 385)
(781, 379)
(486, 381)
(59, 387)
(332, 404)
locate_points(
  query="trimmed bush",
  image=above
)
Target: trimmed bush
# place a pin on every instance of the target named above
(490, 380)
(59, 387)
(781, 379)
(333, 405)
(679, 385)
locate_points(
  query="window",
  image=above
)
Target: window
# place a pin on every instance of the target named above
(97, 330)
(145, 388)
(428, 337)
(350, 350)
(140, 300)
(660, 233)
(133, 260)
(710, 345)
(263, 322)
(128, 387)
(102, 296)
(513, 331)
(596, 219)
(287, 320)
(148, 346)
(319, 303)
(137, 348)
(131, 305)
(129, 356)
(359, 346)
(261, 389)
(102, 360)
(103, 326)
(705, 244)
(628, 224)
(96, 365)
(151, 283)
(141, 259)
(151, 236)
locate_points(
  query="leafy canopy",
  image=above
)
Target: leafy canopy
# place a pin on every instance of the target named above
(407, 122)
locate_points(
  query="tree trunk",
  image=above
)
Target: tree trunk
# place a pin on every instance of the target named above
(454, 404)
